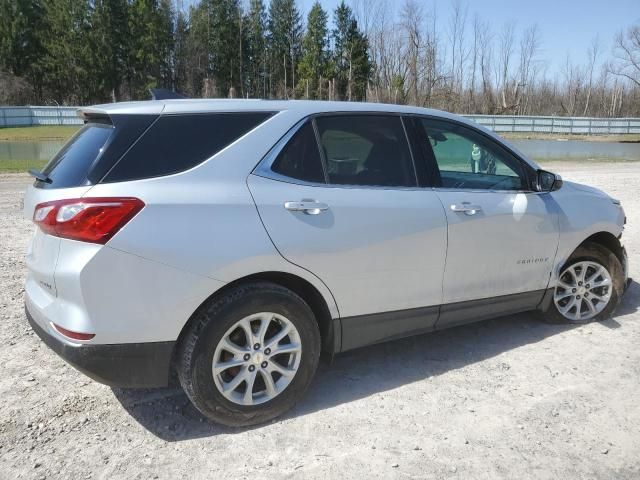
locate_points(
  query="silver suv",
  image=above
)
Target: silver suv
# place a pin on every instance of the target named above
(233, 241)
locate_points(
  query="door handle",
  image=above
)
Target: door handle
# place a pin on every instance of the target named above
(466, 208)
(310, 207)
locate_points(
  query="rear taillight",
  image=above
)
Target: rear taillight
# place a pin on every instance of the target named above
(93, 220)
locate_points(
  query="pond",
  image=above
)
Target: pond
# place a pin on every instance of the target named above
(30, 153)
(22, 155)
(551, 150)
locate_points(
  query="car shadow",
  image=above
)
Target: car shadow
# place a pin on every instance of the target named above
(168, 413)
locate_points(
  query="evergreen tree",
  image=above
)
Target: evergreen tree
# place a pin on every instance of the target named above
(9, 20)
(151, 40)
(351, 55)
(65, 62)
(181, 54)
(216, 44)
(197, 61)
(314, 64)
(255, 49)
(21, 49)
(285, 35)
(109, 40)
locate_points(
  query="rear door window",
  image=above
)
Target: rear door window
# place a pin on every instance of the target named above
(175, 143)
(367, 150)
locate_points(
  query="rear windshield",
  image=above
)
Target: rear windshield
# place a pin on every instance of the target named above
(175, 143)
(70, 165)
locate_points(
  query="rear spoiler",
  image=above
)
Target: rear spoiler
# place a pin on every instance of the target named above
(104, 112)
(90, 115)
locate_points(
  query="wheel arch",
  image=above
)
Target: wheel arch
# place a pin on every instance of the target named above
(330, 330)
(608, 241)
(603, 238)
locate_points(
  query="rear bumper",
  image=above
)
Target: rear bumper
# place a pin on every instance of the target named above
(118, 365)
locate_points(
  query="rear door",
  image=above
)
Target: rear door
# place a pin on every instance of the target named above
(352, 213)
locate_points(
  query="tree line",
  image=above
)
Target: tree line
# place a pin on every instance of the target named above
(94, 51)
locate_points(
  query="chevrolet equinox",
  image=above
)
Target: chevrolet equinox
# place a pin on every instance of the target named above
(232, 241)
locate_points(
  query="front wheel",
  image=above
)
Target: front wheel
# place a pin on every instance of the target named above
(589, 286)
(250, 354)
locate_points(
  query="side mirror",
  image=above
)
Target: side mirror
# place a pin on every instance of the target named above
(548, 182)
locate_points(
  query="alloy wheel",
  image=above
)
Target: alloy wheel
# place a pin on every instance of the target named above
(257, 358)
(583, 291)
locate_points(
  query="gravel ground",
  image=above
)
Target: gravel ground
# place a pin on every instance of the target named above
(506, 398)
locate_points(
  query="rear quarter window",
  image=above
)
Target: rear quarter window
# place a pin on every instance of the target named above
(300, 158)
(175, 143)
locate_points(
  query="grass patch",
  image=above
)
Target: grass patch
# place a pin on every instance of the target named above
(20, 166)
(30, 134)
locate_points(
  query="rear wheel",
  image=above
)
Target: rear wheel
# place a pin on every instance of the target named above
(250, 354)
(589, 286)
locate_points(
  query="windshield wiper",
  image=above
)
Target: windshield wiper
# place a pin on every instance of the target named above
(38, 175)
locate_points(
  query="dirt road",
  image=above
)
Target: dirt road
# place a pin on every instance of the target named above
(507, 398)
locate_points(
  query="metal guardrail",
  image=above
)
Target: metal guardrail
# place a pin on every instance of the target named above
(29, 116)
(570, 125)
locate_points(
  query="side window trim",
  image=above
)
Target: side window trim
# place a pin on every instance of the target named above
(323, 157)
(426, 168)
(526, 168)
(411, 154)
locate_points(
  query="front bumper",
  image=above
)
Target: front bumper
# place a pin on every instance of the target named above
(118, 365)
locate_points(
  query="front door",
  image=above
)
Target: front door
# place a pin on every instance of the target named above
(502, 236)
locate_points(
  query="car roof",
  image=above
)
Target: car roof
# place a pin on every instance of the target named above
(306, 107)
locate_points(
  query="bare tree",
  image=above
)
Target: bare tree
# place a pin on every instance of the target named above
(593, 54)
(627, 54)
(475, 49)
(485, 39)
(411, 20)
(573, 75)
(529, 46)
(465, 67)
(15, 90)
(504, 63)
(368, 13)
(457, 24)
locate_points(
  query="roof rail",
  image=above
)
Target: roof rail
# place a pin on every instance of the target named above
(164, 94)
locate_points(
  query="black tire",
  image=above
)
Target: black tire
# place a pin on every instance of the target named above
(593, 252)
(198, 344)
